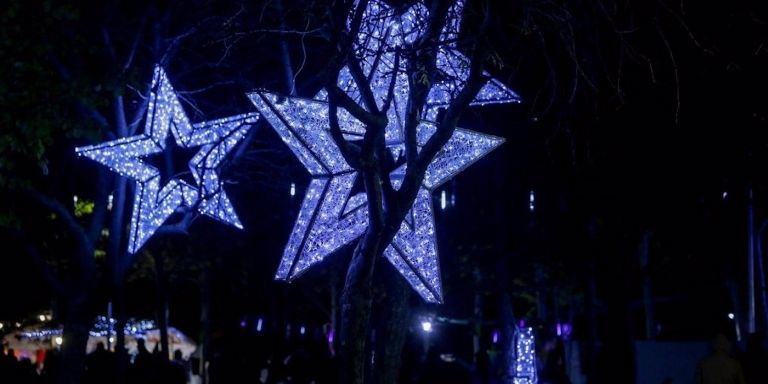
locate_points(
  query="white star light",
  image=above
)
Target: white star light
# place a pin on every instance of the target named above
(152, 203)
(330, 216)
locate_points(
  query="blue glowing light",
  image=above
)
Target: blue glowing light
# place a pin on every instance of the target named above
(531, 201)
(154, 204)
(101, 328)
(524, 367)
(331, 216)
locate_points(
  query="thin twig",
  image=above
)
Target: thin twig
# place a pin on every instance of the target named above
(674, 66)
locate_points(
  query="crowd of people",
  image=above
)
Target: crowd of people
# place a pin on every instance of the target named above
(101, 367)
(313, 362)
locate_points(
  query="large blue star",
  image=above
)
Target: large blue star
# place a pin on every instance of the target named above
(331, 216)
(154, 204)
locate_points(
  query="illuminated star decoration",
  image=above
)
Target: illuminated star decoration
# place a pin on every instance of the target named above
(331, 216)
(153, 204)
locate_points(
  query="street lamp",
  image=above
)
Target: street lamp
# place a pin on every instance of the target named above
(426, 329)
(732, 317)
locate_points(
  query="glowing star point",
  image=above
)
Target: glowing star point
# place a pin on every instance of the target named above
(165, 120)
(331, 215)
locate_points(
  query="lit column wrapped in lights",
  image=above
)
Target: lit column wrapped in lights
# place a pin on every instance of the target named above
(524, 367)
(331, 215)
(165, 120)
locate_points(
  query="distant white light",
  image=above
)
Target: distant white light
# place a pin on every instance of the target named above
(1, 325)
(109, 201)
(41, 317)
(731, 316)
(58, 340)
(443, 200)
(74, 200)
(302, 330)
(259, 323)
(453, 199)
(111, 339)
(531, 200)
(426, 326)
(293, 189)
(725, 194)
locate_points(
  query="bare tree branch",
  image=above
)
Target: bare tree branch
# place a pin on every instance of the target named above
(56, 285)
(350, 151)
(135, 44)
(343, 100)
(674, 67)
(363, 85)
(392, 82)
(207, 88)
(85, 245)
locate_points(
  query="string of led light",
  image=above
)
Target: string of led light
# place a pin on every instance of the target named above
(524, 367)
(165, 118)
(331, 216)
(101, 328)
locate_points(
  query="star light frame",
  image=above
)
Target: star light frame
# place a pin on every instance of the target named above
(154, 204)
(331, 216)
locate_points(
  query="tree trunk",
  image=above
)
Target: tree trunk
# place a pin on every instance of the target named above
(761, 278)
(750, 264)
(392, 326)
(643, 255)
(77, 325)
(356, 303)
(205, 306)
(121, 354)
(118, 271)
(162, 315)
(508, 331)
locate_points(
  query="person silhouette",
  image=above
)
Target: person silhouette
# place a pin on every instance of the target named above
(10, 366)
(719, 367)
(143, 369)
(179, 369)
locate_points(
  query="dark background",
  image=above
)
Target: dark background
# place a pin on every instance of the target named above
(637, 117)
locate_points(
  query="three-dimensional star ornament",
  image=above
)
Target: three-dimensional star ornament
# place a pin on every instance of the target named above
(331, 216)
(165, 120)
